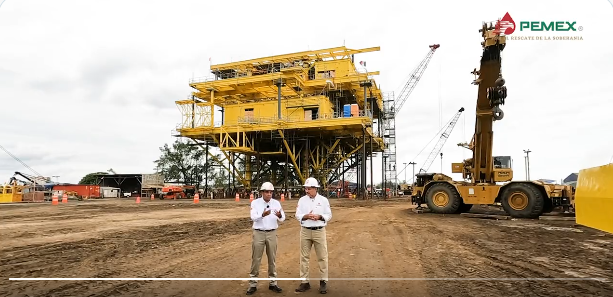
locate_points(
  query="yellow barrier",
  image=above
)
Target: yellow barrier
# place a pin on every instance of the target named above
(594, 198)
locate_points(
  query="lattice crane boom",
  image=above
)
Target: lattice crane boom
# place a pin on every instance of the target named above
(441, 142)
(33, 179)
(414, 79)
(19, 160)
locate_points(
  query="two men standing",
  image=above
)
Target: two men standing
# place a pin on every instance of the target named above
(313, 212)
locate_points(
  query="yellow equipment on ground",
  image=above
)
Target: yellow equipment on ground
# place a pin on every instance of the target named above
(594, 198)
(10, 193)
(488, 179)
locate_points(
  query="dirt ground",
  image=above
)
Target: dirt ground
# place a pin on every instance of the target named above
(366, 239)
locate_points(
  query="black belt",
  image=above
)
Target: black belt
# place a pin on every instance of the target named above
(313, 228)
(265, 230)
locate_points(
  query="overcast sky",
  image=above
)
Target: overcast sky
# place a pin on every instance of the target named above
(91, 85)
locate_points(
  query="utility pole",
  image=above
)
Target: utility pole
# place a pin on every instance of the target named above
(405, 172)
(413, 163)
(527, 152)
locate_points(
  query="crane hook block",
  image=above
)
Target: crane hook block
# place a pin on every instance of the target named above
(498, 114)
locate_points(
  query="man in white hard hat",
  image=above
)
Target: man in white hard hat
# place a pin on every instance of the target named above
(266, 213)
(314, 213)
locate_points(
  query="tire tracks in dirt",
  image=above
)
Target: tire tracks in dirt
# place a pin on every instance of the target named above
(484, 249)
(135, 253)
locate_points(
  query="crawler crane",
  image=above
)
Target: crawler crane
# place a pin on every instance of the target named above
(488, 179)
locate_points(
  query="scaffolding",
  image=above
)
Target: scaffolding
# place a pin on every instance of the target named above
(389, 155)
(288, 117)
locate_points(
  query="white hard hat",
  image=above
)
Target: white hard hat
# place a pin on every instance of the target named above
(311, 182)
(267, 186)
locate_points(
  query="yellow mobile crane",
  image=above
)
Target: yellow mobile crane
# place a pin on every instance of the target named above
(488, 179)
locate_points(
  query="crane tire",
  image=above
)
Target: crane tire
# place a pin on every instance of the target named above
(443, 198)
(523, 200)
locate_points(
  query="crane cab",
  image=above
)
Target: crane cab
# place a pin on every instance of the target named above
(502, 172)
(503, 169)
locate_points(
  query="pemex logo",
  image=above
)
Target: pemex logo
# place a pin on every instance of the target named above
(559, 28)
(506, 25)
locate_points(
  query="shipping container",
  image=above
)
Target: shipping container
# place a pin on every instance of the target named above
(89, 191)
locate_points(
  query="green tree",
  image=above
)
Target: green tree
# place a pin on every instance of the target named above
(90, 179)
(220, 179)
(183, 163)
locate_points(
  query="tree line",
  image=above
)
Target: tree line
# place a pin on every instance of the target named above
(184, 163)
(187, 163)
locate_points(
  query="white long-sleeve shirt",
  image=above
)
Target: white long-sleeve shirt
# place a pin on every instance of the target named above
(318, 205)
(269, 222)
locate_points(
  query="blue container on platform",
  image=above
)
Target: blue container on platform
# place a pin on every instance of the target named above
(347, 110)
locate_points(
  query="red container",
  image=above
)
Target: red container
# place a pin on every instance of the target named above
(92, 191)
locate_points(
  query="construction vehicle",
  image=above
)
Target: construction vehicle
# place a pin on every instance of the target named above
(406, 189)
(177, 192)
(488, 179)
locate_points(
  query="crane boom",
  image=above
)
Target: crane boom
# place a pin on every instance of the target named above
(491, 94)
(33, 179)
(414, 79)
(441, 142)
(19, 160)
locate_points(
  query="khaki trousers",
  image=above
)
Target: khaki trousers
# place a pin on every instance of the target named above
(308, 239)
(263, 241)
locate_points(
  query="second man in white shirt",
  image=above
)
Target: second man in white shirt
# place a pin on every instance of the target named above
(313, 212)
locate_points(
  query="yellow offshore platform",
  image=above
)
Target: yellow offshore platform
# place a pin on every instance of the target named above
(288, 117)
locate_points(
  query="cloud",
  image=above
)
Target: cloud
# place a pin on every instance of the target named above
(111, 76)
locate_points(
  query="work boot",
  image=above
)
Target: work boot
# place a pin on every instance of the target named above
(323, 287)
(275, 288)
(303, 287)
(251, 290)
